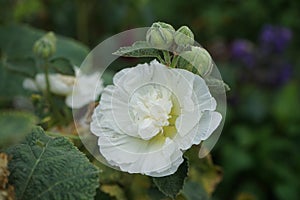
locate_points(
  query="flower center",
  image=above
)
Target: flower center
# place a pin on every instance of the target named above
(150, 108)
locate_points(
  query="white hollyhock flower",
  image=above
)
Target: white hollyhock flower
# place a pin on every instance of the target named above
(79, 89)
(59, 84)
(87, 88)
(151, 115)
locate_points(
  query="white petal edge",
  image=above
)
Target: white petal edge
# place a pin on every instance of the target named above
(136, 156)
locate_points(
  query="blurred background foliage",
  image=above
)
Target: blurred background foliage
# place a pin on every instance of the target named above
(255, 45)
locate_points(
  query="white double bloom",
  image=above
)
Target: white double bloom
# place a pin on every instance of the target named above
(151, 115)
(79, 90)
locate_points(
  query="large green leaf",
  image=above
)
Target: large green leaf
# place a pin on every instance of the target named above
(172, 184)
(138, 49)
(51, 168)
(15, 126)
(10, 84)
(23, 66)
(16, 41)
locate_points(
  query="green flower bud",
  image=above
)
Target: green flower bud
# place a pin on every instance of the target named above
(45, 47)
(184, 36)
(199, 61)
(160, 35)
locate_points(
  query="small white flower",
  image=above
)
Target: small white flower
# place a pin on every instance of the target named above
(79, 89)
(87, 88)
(59, 84)
(151, 115)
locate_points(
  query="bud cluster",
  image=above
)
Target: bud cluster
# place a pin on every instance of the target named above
(163, 36)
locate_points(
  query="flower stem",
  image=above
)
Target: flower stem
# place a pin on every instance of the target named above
(174, 61)
(46, 70)
(160, 59)
(167, 57)
(48, 95)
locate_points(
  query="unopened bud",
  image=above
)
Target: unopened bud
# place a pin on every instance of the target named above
(45, 47)
(184, 36)
(199, 60)
(160, 35)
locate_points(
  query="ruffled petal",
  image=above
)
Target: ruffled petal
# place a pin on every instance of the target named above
(208, 123)
(114, 108)
(135, 155)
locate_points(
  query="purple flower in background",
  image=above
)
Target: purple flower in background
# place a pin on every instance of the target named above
(271, 65)
(275, 38)
(242, 50)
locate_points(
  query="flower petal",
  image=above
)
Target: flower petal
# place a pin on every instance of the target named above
(58, 83)
(114, 108)
(30, 84)
(139, 156)
(208, 123)
(86, 89)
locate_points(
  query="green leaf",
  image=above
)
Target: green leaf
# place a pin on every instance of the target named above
(62, 66)
(216, 85)
(15, 126)
(17, 41)
(51, 168)
(138, 49)
(10, 84)
(203, 171)
(23, 66)
(194, 191)
(155, 194)
(172, 184)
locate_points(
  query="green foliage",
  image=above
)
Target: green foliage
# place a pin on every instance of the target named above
(172, 184)
(62, 66)
(15, 126)
(23, 66)
(138, 49)
(102, 196)
(14, 46)
(16, 43)
(284, 104)
(202, 172)
(194, 191)
(51, 168)
(9, 85)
